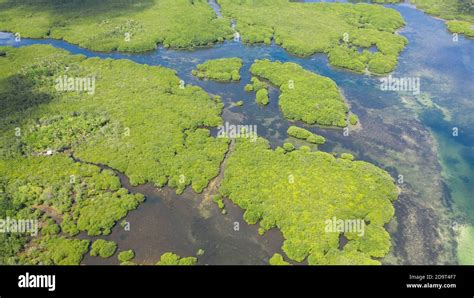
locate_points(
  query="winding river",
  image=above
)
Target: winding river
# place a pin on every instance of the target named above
(411, 136)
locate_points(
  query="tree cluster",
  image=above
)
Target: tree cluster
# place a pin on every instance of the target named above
(222, 70)
(305, 96)
(307, 28)
(115, 25)
(148, 127)
(303, 134)
(103, 248)
(299, 191)
(171, 259)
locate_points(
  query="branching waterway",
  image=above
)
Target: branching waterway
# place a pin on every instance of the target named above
(410, 135)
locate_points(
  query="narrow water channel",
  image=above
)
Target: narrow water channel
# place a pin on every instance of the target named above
(184, 224)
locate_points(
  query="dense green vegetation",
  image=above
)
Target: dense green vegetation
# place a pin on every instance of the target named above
(461, 27)
(305, 96)
(302, 29)
(303, 134)
(141, 121)
(262, 97)
(122, 25)
(277, 260)
(447, 9)
(50, 227)
(219, 201)
(171, 259)
(156, 136)
(89, 199)
(256, 85)
(103, 248)
(347, 156)
(353, 119)
(288, 147)
(61, 132)
(11, 243)
(383, 61)
(459, 13)
(126, 256)
(55, 250)
(238, 103)
(261, 90)
(223, 70)
(333, 28)
(299, 191)
(92, 202)
(148, 127)
(387, 1)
